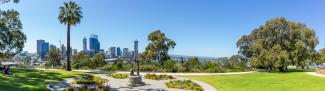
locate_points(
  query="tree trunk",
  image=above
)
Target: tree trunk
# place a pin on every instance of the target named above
(68, 49)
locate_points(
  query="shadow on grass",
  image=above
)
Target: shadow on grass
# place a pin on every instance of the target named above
(288, 70)
(32, 80)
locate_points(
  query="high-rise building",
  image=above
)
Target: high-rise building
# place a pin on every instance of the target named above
(112, 52)
(94, 45)
(39, 42)
(84, 44)
(52, 46)
(44, 49)
(63, 51)
(136, 53)
(126, 52)
(74, 51)
(118, 52)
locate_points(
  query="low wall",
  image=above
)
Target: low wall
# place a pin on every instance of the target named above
(320, 70)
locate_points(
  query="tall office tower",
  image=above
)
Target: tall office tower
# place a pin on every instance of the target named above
(74, 51)
(44, 49)
(126, 52)
(112, 51)
(52, 46)
(84, 44)
(136, 49)
(39, 42)
(94, 45)
(63, 51)
(118, 52)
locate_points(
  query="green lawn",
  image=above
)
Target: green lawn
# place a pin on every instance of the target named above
(260, 81)
(32, 80)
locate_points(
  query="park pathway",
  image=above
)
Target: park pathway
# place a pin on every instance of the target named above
(153, 85)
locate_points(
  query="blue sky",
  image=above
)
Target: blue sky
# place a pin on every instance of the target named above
(199, 27)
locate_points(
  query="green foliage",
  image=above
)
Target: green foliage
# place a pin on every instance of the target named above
(12, 38)
(86, 88)
(53, 58)
(89, 79)
(184, 84)
(158, 77)
(118, 75)
(81, 60)
(158, 47)
(98, 60)
(69, 14)
(117, 66)
(278, 44)
(7, 1)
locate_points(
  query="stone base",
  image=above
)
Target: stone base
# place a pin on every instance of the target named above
(135, 80)
(320, 70)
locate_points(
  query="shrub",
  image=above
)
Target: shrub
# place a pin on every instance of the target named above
(184, 84)
(89, 79)
(85, 88)
(118, 75)
(158, 77)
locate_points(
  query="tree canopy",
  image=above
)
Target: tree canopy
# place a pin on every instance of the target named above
(158, 47)
(278, 44)
(12, 39)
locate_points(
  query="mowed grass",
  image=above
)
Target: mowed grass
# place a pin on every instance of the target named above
(32, 80)
(262, 81)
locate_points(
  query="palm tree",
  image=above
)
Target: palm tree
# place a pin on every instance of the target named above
(69, 14)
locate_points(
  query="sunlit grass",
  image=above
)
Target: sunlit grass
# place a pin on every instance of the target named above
(262, 81)
(33, 80)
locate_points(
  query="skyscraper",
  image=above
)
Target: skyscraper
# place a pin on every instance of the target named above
(39, 42)
(63, 51)
(85, 44)
(118, 52)
(112, 51)
(94, 44)
(136, 42)
(126, 52)
(52, 46)
(44, 49)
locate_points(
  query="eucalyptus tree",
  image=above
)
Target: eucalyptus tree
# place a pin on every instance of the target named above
(7, 1)
(277, 44)
(12, 39)
(158, 47)
(53, 57)
(70, 14)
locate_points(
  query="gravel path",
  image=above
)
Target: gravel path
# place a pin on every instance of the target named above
(154, 85)
(314, 74)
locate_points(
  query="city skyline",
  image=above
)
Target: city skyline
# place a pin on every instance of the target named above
(199, 28)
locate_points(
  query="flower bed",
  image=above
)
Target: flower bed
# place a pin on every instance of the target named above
(184, 84)
(86, 88)
(89, 79)
(118, 75)
(158, 77)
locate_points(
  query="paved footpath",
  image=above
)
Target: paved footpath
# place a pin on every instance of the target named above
(154, 85)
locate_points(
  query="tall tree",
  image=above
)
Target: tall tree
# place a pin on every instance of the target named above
(277, 44)
(12, 39)
(69, 14)
(54, 57)
(7, 1)
(98, 60)
(158, 47)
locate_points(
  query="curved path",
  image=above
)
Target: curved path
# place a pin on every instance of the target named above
(153, 85)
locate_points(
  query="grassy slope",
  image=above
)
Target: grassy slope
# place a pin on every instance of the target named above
(295, 81)
(29, 80)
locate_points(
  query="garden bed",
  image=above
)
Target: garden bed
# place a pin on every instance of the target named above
(158, 77)
(184, 84)
(118, 75)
